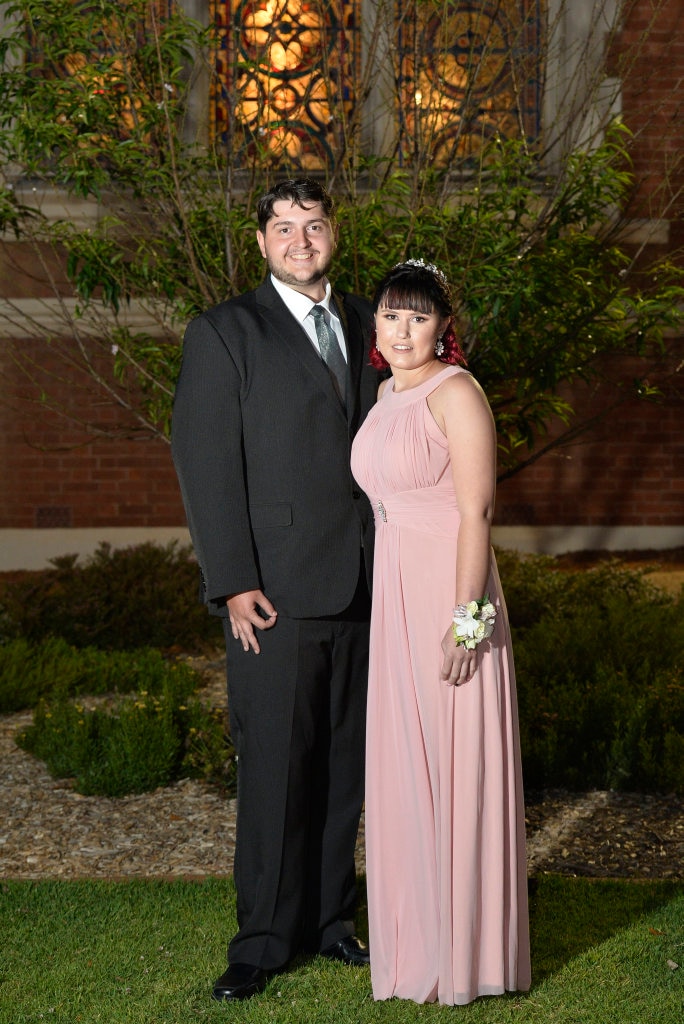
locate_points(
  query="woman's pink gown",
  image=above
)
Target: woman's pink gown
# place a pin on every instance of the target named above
(445, 829)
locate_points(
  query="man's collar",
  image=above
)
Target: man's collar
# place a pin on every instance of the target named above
(300, 305)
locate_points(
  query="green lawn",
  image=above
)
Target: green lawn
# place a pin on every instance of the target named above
(144, 952)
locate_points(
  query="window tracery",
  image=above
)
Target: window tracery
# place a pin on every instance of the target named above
(288, 72)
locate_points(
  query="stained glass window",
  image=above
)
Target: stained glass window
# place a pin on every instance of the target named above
(465, 72)
(285, 72)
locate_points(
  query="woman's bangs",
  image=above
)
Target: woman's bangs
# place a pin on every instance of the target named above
(405, 296)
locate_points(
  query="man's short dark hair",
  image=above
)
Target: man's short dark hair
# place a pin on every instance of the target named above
(302, 192)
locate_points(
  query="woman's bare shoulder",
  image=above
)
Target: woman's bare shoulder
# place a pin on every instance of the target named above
(460, 395)
(459, 386)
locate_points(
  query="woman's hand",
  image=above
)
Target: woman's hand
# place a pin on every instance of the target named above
(459, 663)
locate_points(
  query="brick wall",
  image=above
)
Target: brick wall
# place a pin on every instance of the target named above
(54, 475)
(649, 60)
(628, 470)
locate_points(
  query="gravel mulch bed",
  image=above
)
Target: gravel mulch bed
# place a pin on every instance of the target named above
(188, 830)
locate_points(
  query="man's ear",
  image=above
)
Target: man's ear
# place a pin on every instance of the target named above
(260, 243)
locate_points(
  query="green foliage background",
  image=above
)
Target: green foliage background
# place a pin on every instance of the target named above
(545, 288)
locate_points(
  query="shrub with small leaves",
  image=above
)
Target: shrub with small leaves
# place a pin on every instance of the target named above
(29, 671)
(118, 599)
(133, 744)
(599, 658)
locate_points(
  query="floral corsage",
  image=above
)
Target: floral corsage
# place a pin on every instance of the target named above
(474, 622)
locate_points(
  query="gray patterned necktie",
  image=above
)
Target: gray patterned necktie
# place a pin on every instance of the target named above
(331, 351)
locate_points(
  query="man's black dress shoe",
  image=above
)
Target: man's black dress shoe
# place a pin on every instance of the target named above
(240, 981)
(349, 950)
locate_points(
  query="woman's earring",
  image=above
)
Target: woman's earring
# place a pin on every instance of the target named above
(439, 347)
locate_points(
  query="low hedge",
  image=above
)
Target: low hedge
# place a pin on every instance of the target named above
(599, 661)
(117, 599)
(599, 657)
(133, 744)
(30, 671)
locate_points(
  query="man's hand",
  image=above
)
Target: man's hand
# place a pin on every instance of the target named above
(245, 616)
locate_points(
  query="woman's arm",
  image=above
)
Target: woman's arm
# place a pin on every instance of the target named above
(463, 414)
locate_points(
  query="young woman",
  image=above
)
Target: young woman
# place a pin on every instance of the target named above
(445, 834)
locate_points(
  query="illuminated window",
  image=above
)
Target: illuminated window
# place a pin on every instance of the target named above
(284, 88)
(466, 71)
(287, 73)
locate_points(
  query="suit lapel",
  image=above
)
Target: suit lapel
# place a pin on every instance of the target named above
(355, 353)
(287, 329)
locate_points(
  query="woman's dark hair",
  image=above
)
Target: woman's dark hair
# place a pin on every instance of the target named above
(420, 286)
(302, 192)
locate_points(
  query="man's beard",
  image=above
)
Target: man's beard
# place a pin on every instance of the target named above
(285, 277)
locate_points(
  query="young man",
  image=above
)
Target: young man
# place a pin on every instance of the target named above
(273, 386)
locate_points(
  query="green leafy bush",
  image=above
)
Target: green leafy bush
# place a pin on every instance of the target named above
(119, 599)
(136, 743)
(535, 587)
(599, 657)
(599, 660)
(29, 671)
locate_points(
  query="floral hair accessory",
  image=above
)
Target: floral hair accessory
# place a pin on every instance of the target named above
(473, 622)
(424, 266)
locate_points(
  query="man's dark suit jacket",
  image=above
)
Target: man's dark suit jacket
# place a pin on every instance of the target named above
(261, 445)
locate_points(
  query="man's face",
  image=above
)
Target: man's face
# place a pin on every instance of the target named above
(298, 245)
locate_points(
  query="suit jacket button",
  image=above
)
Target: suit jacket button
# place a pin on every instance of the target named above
(356, 495)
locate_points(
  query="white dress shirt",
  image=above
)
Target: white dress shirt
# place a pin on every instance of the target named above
(300, 306)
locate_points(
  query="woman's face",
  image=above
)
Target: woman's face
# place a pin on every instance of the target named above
(407, 338)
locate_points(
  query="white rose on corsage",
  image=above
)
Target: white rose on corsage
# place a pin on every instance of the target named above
(474, 622)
